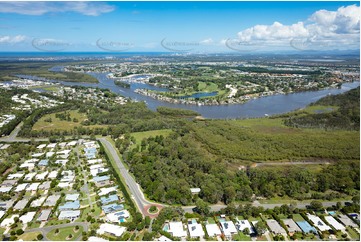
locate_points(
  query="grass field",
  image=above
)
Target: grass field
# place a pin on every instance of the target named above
(354, 235)
(58, 124)
(64, 233)
(31, 236)
(139, 136)
(241, 237)
(320, 109)
(298, 218)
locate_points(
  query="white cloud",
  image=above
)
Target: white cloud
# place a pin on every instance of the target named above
(324, 29)
(40, 8)
(207, 41)
(12, 39)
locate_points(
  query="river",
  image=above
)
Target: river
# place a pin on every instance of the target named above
(269, 105)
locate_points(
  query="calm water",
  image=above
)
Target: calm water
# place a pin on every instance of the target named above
(276, 104)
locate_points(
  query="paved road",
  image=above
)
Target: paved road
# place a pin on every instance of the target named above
(133, 186)
(215, 208)
(46, 230)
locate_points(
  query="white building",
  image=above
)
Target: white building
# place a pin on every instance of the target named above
(69, 214)
(9, 221)
(111, 229)
(318, 222)
(176, 229)
(26, 218)
(21, 187)
(228, 229)
(213, 230)
(195, 230)
(333, 222)
(243, 224)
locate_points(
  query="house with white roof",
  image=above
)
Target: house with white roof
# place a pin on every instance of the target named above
(63, 152)
(5, 189)
(228, 229)
(176, 229)
(213, 230)
(117, 217)
(111, 229)
(21, 187)
(65, 184)
(106, 190)
(243, 224)
(15, 176)
(69, 214)
(94, 161)
(40, 147)
(195, 229)
(52, 200)
(96, 239)
(41, 176)
(37, 154)
(334, 223)
(72, 143)
(53, 174)
(26, 218)
(164, 239)
(49, 154)
(62, 162)
(33, 186)
(9, 221)
(72, 197)
(2, 213)
(51, 145)
(318, 222)
(29, 176)
(20, 205)
(37, 202)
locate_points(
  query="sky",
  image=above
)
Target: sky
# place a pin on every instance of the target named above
(179, 26)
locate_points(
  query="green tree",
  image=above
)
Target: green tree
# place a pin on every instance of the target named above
(260, 227)
(202, 207)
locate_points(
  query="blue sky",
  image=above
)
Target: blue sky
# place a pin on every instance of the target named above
(178, 26)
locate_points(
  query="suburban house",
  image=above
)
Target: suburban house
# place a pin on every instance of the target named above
(176, 229)
(195, 229)
(111, 229)
(70, 206)
(69, 214)
(44, 215)
(213, 230)
(228, 229)
(292, 227)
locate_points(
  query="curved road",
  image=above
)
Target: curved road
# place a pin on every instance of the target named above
(136, 193)
(46, 230)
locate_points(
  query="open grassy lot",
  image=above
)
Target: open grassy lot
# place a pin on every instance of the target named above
(354, 235)
(57, 124)
(241, 237)
(139, 136)
(298, 218)
(320, 109)
(64, 233)
(31, 236)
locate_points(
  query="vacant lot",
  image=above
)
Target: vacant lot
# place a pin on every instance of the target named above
(139, 136)
(56, 124)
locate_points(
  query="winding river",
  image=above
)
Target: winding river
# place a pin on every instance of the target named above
(259, 107)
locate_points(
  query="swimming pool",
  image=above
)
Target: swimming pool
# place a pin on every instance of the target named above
(166, 228)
